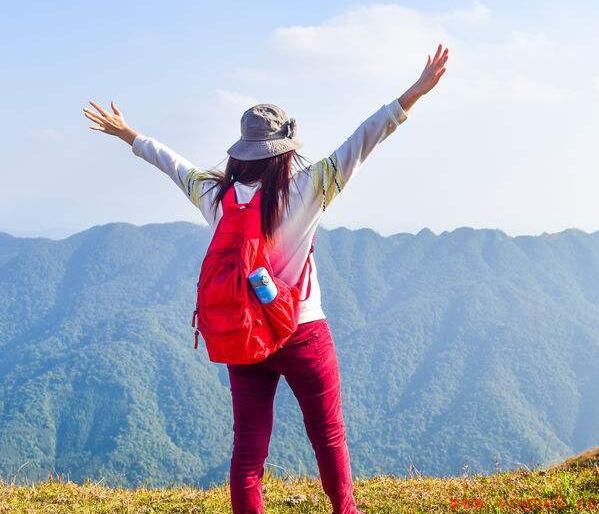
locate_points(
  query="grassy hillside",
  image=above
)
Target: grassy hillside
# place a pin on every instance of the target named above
(572, 486)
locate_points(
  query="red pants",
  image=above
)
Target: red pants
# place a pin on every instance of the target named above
(308, 362)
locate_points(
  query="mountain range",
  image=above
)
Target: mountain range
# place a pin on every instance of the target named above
(469, 349)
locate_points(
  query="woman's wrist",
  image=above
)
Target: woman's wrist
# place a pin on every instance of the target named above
(128, 135)
(410, 97)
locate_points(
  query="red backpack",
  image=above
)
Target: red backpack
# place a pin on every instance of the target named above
(236, 326)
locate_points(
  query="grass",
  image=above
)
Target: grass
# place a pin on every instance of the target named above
(571, 486)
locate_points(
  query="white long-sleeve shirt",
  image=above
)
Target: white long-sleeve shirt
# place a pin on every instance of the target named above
(311, 191)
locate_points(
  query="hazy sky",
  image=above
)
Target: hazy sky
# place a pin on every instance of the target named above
(509, 140)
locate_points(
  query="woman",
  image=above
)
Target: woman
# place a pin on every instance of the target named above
(291, 208)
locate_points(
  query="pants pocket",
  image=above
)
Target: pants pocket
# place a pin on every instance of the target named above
(305, 339)
(308, 334)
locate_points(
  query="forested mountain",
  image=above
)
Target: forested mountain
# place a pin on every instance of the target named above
(467, 348)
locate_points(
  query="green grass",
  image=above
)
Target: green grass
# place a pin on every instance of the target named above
(572, 486)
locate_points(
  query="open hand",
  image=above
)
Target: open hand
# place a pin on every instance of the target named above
(109, 123)
(428, 79)
(433, 70)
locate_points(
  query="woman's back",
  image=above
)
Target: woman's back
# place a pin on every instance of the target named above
(311, 191)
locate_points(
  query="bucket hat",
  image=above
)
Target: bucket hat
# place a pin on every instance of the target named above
(266, 131)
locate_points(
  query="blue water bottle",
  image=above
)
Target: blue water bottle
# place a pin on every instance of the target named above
(263, 285)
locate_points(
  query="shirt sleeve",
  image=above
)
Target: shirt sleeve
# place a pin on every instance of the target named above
(331, 174)
(198, 185)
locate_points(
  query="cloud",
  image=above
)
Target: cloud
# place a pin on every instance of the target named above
(515, 89)
(524, 88)
(235, 99)
(386, 44)
(377, 39)
(478, 13)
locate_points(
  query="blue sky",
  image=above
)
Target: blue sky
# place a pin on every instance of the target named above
(508, 140)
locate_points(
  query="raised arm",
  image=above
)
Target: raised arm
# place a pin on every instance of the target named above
(331, 174)
(194, 182)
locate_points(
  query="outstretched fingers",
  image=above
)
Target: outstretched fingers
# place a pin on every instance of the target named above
(99, 108)
(433, 70)
(109, 120)
(441, 56)
(444, 57)
(438, 65)
(115, 109)
(93, 117)
(437, 62)
(437, 54)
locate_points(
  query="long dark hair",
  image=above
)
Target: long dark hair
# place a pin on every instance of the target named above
(275, 175)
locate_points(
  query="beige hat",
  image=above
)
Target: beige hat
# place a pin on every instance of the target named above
(266, 131)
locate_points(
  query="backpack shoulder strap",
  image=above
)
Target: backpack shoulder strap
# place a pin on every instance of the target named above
(307, 269)
(229, 198)
(255, 201)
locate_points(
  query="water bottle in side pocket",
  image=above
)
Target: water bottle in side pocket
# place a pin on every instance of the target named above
(263, 285)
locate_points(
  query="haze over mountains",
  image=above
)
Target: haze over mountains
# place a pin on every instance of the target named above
(467, 348)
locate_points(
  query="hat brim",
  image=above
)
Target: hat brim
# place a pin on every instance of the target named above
(245, 150)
